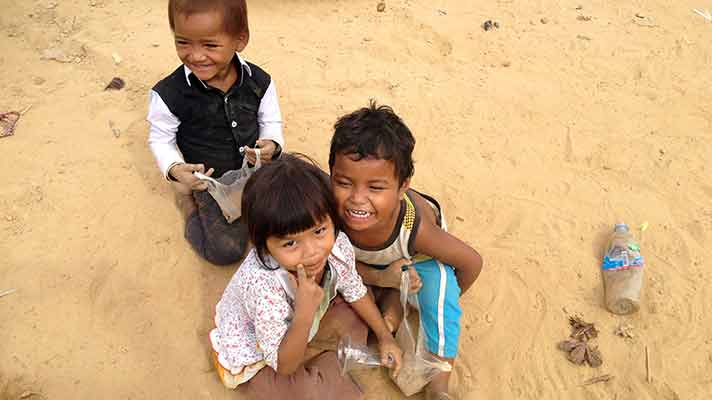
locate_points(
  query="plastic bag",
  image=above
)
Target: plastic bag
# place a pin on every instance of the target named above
(419, 366)
(227, 190)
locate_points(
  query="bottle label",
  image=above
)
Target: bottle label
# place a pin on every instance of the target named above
(614, 264)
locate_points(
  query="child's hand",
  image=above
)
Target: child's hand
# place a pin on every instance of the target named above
(309, 294)
(183, 173)
(392, 275)
(391, 354)
(267, 149)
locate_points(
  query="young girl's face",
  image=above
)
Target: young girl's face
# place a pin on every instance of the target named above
(311, 248)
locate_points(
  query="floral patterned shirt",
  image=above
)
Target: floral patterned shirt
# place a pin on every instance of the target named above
(257, 307)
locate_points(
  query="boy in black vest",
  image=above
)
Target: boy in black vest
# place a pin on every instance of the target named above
(201, 115)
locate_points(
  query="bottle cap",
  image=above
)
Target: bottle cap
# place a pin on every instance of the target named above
(621, 227)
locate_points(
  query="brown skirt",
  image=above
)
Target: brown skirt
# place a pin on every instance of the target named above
(318, 379)
(320, 376)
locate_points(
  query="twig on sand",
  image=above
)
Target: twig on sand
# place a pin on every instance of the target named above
(598, 379)
(26, 109)
(27, 394)
(704, 14)
(6, 292)
(648, 376)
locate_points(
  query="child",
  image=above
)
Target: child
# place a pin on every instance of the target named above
(266, 317)
(201, 115)
(392, 225)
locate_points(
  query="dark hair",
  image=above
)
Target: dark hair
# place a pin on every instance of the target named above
(234, 13)
(286, 196)
(375, 132)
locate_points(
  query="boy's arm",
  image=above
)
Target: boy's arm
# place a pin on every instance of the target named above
(446, 248)
(389, 277)
(269, 120)
(162, 134)
(370, 276)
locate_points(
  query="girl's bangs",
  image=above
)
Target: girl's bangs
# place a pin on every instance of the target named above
(298, 209)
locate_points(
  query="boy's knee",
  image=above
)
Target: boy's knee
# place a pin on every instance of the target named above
(225, 250)
(218, 245)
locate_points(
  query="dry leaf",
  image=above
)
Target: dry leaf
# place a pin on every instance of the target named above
(568, 345)
(582, 330)
(578, 354)
(8, 121)
(593, 357)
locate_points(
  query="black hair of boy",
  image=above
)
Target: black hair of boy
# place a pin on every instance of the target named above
(375, 132)
(286, 196)
(234, 13)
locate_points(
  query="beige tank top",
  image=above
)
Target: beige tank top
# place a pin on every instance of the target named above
(401, 243)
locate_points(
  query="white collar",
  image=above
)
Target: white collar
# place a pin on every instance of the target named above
(243, 63)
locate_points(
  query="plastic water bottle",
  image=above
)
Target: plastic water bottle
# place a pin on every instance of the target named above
(622, 272)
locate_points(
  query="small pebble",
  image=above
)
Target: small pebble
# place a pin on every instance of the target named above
(117, 58)
(489, 318)
(381, 7)
(506, 64)
(116, 131)
(116, 84)
(544, 21)
(38, 80)
(155, 44)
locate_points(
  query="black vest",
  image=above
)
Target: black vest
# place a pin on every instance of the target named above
(213, 124)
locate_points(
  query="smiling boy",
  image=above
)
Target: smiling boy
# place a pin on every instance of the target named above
(206, 110)
(391, 225)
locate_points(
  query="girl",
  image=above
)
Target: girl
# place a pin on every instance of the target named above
(297, 286)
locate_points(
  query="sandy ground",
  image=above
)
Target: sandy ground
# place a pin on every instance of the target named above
(536, 137)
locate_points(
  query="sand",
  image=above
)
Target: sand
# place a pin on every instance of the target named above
(536, 137)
